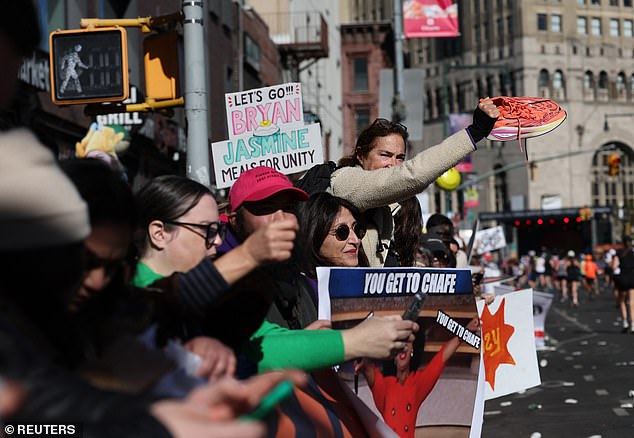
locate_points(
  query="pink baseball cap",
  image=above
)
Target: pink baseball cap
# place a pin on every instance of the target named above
(259, 183)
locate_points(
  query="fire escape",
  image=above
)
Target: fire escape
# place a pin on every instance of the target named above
(300, 37)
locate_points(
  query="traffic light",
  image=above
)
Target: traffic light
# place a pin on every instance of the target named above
(614, 163)
(89, 65)
(161, 65)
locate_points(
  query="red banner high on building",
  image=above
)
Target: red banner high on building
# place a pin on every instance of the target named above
(430, 18)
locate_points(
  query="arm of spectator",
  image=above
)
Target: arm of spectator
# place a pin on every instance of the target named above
(270, 243)
(218, 360)
(380, 337)
(380, 187)
(274, 347)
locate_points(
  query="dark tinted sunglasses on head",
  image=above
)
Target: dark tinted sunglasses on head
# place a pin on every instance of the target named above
(388, 124)
(342, 232)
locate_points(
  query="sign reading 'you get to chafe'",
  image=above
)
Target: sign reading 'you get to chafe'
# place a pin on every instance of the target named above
(89, 66)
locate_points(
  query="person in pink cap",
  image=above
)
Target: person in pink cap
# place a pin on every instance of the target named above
(265, 197)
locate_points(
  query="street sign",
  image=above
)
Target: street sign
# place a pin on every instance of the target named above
(89, 65)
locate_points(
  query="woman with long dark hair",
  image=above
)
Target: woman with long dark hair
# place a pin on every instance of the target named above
(332, 229)
(376, 175)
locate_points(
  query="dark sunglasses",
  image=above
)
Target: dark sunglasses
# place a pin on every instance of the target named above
(388, 124)
(343, 231)
(92, 261)
(264, 209)
(211, 230)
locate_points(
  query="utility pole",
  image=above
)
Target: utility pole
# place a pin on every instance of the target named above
(398, 107)
(196, 92)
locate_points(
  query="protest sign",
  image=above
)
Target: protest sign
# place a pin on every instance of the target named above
(266, 128)
(489, 239)
(289, 151)
(348, 295)
(263, 111)
(508, 345)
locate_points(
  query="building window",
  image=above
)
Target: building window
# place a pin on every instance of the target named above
(614, 27)
(595, 2)
(361, 119)
(627, 28)
(543, 79)
(581, 2)
(360, 69)
(252, 52)
(632, 83)
(603, 80)
(596, 26)
(558, 80)
(541, 22)
(582, 25)
(555, 23)
(620, 82)
(614, 2)
(627, 3)
(588, 81)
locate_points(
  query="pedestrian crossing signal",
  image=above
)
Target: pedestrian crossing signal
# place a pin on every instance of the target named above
(89, 65)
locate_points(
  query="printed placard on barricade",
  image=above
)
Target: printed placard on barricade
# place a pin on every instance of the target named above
(395, 287)
(348, 295)
(264, 111)
(290, 150)
(508, 345)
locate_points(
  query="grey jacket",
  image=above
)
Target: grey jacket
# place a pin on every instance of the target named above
(377, 189)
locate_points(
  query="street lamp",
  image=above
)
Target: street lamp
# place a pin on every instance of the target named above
(606, 127)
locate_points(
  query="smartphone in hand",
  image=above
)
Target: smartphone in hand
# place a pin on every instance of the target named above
(413, 309)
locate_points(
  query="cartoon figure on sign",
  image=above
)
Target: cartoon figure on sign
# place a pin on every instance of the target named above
(70, 64)
(495, 335)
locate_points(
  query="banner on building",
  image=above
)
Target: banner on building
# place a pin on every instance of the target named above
(508, 346)
(266, 128)
(430, 18)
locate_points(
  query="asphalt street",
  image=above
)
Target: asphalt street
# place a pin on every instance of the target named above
(587, 378)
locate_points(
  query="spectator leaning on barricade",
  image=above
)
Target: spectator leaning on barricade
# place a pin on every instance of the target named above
(377, 175)
(263, 196)
(267, 345)
(43, 223)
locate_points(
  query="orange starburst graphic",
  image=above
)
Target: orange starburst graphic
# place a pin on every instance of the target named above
(496, 335)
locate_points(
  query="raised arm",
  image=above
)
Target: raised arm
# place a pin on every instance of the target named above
(368, 189)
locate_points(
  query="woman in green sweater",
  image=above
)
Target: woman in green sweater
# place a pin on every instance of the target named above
(179, 232)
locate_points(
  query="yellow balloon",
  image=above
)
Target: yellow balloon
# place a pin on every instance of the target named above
(449, 180)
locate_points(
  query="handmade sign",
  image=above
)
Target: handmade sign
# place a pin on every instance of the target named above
(266, 128)
(508, 344)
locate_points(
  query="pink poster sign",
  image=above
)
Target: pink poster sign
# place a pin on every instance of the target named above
(430, 18)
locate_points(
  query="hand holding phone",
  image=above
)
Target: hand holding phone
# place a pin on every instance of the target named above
(413, 309)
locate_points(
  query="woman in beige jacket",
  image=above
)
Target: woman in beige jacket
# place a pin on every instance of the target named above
(376, 177)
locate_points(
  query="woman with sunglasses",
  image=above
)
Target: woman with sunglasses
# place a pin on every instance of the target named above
(332, 229)
(376, 175)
